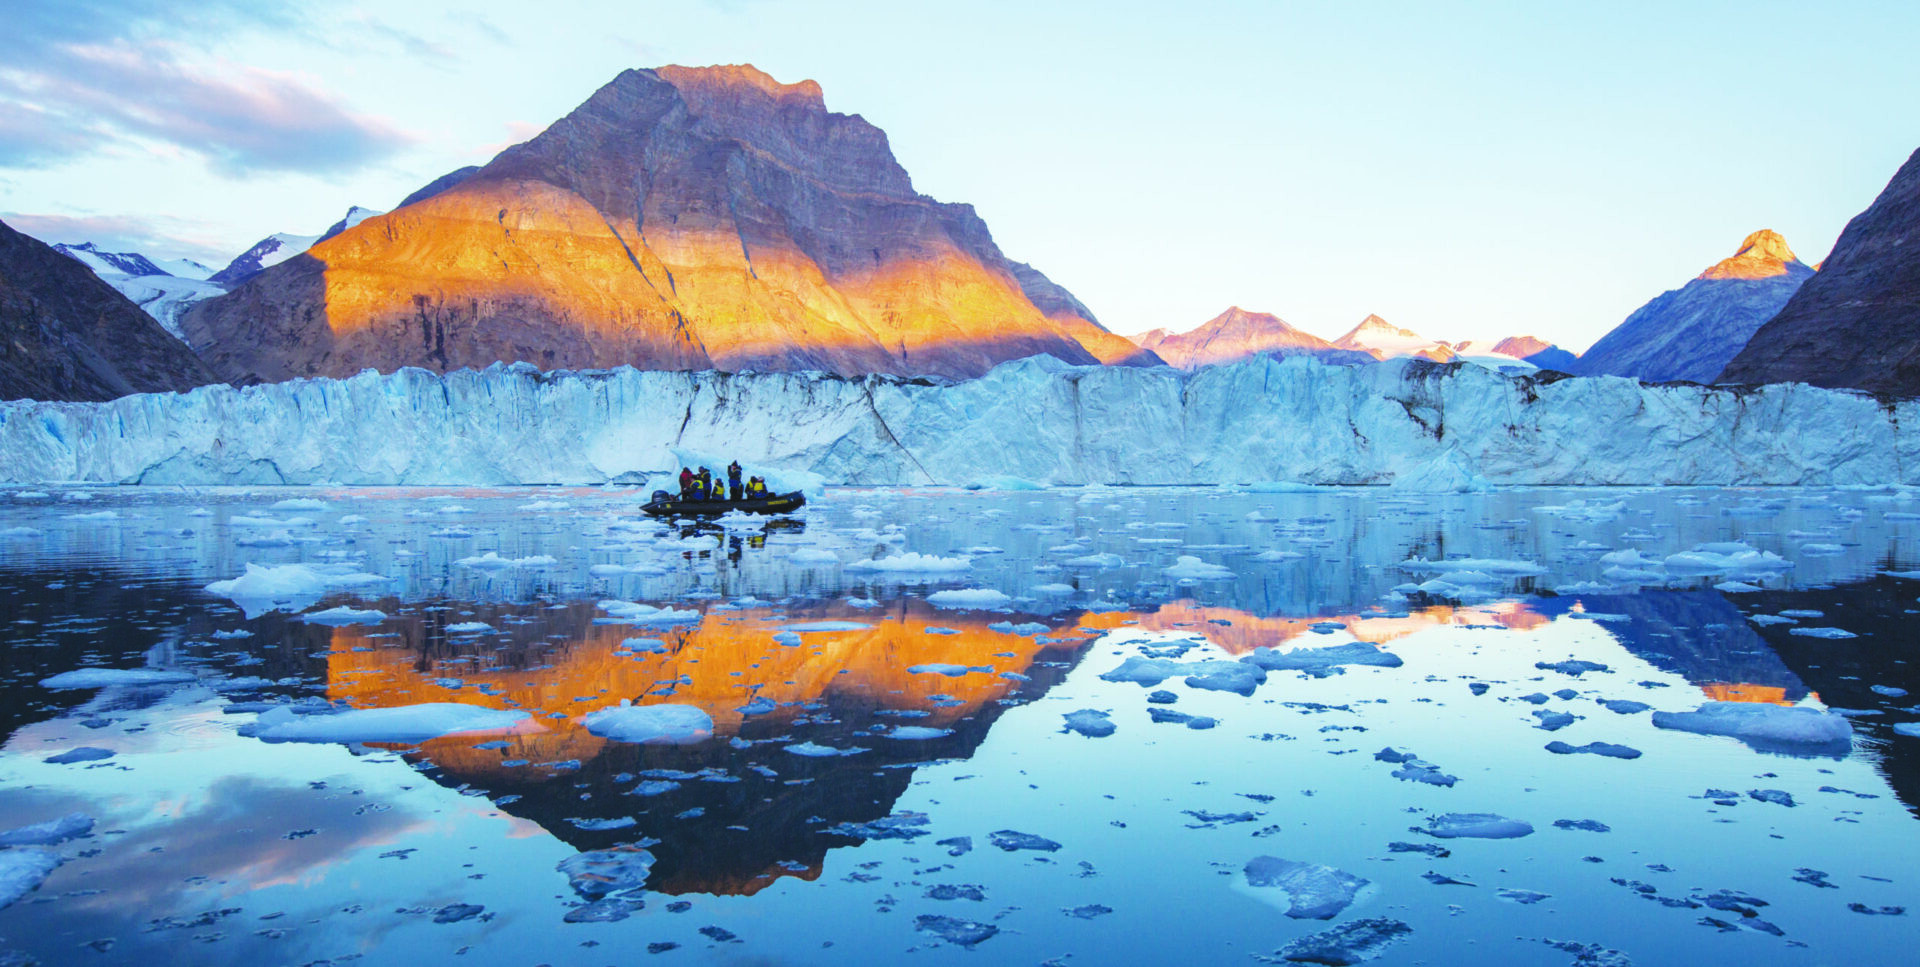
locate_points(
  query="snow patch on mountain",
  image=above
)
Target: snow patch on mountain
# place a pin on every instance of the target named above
(165, 288)
(1294, 420)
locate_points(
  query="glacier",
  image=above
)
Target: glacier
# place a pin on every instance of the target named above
(1408, 423)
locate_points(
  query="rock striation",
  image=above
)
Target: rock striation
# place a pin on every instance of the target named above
(67, 335)
(1856, 323)
(681, 218)
(1691, 333)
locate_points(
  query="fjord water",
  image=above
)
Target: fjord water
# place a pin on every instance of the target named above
(868, 767)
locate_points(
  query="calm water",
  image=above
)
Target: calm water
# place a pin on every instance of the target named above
(209, 846)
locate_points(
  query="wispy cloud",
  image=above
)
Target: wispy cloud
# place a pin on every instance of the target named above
(157, 238)
(81, 76)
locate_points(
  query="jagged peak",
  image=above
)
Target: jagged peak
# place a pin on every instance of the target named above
(736, 77)
(1761, 255)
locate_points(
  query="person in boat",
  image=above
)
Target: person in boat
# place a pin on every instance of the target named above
(686, 483)
(756, 488)
(733, 480)
(704, 485)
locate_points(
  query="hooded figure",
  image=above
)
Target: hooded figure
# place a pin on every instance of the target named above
(733, 479)
(686, 484)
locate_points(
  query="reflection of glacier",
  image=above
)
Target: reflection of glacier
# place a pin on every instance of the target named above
(1402, 421)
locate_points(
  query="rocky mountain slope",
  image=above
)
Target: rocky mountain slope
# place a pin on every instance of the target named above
(165, 288)
(1237, 334)
(67, 335)
(1690, 333)
(681, 218)
(1539, 352)
(1856, 323)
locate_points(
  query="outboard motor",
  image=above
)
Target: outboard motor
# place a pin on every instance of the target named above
(661, 495)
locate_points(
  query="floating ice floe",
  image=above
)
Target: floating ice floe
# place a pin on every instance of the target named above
(817, 751)
(1322, 662)
(50, 833)
(600, 872)
(402, 723)
(651, 724)
(344, 615)
(965, 933)
(1094, 561)
(811, 555)
(951, 671)
(1353, 942)
(289, 587)
(1190, 568)
(1314, 892)
(1594, 748)
(1092, 723)
(492, 561)
(917, 733)
(1834, 633)
(911, 562)
(970, 599)
(116, 677)
(1767, 728)
(631, 612)
(1475, 826)
(22, 870)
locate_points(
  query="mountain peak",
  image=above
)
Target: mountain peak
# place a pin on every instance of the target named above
(1762, 255)
(734, 78)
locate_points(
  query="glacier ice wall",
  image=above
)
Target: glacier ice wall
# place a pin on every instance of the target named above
(1404, 422)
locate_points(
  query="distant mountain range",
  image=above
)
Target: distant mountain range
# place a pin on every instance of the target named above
(1237, 334)
(681, 218)
(65, 334)
(1857, 322)
(1691, 333)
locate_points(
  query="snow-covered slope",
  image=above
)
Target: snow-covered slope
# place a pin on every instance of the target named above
(163, 287)
(1387, 341)
(272, 250)
(1406, 422)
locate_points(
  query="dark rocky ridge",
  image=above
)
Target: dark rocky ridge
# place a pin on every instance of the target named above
(67, 335)
(1856, 323)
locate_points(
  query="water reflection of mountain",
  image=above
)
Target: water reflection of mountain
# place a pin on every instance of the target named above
(1697, 634)
(734, 813)
(1845, 670)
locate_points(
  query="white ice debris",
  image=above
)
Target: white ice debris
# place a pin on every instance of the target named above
(651, 724)
(1768, 728)
(1475, 826)
(1093, 560)
(975, 599)
(632, 612)
(22, 870)
(813, 555)
(1092, 723)
(1313, 892)
(400, 723)
(50, 833)
(1192, 568)
(911, 563)
(344, 615)
(288, 587)
(492, 561)
(115, 677)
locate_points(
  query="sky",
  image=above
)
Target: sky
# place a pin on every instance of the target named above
(1464, 170)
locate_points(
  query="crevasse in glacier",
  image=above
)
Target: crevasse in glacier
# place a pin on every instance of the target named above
(1404, 422)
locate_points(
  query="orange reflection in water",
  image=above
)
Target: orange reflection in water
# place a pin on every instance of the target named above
(730, 658)
(1739, 692)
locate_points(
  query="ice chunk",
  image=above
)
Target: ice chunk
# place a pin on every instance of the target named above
(1552, 721)
(289, 587)
(951, 671)
(911, 563)
(897, 826)
(1093, 560)
(49, 833)
(1354, 942)
(1321, 662)
(1091, 723)
(115, 677)
(645, 614)
(1821, 632)
(917, 733)
(953, 930)
(1475, 826)
(22, 870)
(492, 561)
(1622, 706)
(344, 615)
(600, 872)
(84, 753)
(973, 599)
(1594, 748)
(1011, 840)
(1778, 797)
(651, 724)
(817, 751)
(1571, 666)
(1505, 568)
(401, 723)
(1767, 728)
(469, 628)
(1192, 568)
(1314, 892)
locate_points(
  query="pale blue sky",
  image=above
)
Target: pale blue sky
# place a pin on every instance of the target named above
(1464, 170)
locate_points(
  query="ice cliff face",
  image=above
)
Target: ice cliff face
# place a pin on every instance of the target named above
(1406, 422)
